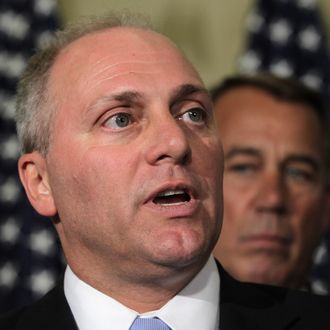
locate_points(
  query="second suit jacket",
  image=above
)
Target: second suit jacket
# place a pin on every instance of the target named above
(243, 306)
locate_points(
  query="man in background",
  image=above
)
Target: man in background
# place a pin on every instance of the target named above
(276, 195)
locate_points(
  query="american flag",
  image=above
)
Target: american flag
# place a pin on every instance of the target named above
(30, 255)
(287, 37)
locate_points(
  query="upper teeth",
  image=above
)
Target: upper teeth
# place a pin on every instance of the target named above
(171, 192)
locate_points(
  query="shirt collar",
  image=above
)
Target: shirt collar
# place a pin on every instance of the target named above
(194, 307)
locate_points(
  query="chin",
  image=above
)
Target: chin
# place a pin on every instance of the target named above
(181, 249)
(271, 276)
(179, 258)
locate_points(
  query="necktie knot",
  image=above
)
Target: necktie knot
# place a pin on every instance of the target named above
(149, 324)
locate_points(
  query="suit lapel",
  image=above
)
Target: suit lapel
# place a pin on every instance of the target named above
(52, 312)
(242, 306)
(251, 306)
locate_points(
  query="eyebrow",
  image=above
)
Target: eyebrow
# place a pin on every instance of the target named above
(242, 151)
(186, 90)
(125, 96)
(248, 151)
(306, 159)
(131, 96)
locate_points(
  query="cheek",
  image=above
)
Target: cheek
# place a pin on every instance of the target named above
(231, 216)
(106, 172)
(98, 175)
(208, 157)
(100, 192)
(307, 221)
(236, 203)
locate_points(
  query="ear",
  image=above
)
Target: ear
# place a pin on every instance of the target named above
(32, 170)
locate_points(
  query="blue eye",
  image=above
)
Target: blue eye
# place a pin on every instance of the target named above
(242, 169)
(119, 120)
(195, 115)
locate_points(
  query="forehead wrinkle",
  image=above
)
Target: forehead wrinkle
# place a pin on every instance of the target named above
(121, 74)
(136, 58)
(110, 66)
(124, 96)
(114, 71)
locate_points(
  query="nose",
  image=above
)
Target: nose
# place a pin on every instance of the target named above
(272, 194)
(167, 141)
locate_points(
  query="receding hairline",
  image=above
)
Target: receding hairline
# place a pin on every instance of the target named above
(117, 33)
(112, 31)
(35, 102)
(166, 45)
(33, 116)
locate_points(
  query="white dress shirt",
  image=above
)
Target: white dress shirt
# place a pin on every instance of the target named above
(195, 307)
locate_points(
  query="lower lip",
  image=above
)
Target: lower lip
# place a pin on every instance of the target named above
(179, 210)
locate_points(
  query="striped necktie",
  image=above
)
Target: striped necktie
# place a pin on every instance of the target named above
(149, 324)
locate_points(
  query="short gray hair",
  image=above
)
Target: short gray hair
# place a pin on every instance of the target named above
(34, 108)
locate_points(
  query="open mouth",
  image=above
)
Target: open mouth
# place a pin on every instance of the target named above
(172, 197)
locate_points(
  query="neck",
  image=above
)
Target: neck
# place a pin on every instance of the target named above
(142, 293)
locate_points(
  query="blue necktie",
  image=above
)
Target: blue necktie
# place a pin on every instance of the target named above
(148, 324)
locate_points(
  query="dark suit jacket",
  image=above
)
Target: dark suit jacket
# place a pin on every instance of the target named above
(243, 306)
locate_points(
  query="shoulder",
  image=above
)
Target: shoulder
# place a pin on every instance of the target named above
(9, 320)
(51, 312)
(308, 302)
(257, 305)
